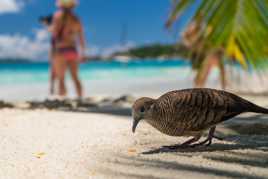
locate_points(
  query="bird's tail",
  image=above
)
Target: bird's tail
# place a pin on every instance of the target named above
(250, 107)
(258, 109)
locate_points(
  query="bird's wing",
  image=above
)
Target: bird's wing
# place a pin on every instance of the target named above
(198, 109)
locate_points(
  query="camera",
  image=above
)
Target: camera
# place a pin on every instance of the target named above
(46, 20)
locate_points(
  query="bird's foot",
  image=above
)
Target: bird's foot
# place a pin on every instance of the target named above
(206, 142)
(184, 145)
(189, 143)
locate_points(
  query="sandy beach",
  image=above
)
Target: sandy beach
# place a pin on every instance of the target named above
(70, 74)
(48, 144)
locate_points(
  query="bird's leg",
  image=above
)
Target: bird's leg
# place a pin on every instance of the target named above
(185, 144)
(209, 139)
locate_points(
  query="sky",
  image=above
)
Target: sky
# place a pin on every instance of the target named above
(104, 21)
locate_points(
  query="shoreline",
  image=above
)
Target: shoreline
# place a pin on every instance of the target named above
(117, 79)
(104, 100)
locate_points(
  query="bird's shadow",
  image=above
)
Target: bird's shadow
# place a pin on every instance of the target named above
(237, 144)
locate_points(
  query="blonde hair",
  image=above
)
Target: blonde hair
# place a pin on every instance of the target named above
(66, 3)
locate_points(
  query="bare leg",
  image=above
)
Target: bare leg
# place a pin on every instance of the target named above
(74, 66)
(52, 79)
(60, 66)
(185, 144)
(53, 75)
(222, 74)
(203, 73)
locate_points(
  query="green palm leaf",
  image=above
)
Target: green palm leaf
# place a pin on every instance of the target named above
(240, 26)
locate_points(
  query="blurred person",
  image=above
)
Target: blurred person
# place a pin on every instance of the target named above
(214, 59)
(203, 59)
(193, 33)
(67, 31)
(47, 21)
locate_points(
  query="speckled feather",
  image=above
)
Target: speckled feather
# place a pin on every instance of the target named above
(191, 111)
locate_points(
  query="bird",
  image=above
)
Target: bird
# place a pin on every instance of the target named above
(191, 112)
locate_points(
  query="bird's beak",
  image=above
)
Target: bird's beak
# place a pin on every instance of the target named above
(135, 124)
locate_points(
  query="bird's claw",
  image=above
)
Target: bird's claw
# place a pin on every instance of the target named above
(207, 142)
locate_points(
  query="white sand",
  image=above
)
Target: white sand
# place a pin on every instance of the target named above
(60, 145)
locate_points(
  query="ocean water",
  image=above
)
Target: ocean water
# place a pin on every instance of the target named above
(28, 81)
(29, 73)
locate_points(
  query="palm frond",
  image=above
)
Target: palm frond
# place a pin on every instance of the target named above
(240, 26)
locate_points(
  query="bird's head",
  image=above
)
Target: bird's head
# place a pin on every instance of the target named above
(142, 109)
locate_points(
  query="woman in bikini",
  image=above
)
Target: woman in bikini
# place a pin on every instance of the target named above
(67, 31)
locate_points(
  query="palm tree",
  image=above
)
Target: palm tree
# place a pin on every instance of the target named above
(239, 26)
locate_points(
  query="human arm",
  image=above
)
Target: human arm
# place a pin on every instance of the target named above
(82, 41)
(56, 26)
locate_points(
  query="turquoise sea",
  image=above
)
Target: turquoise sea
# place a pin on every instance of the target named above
(28, 73)
(151, 77)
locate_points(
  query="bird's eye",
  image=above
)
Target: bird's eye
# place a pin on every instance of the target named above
(142, 110)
